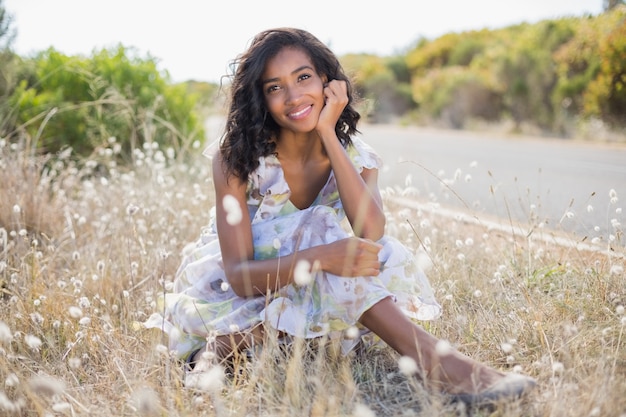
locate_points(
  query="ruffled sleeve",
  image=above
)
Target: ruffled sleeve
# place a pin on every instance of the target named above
(363, 155)
(211, 149)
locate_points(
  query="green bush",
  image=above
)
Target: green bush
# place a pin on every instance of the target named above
(456, 94)
(383, 83)
(7, 66)
(545, 74)
(605, 96)
(83, 102)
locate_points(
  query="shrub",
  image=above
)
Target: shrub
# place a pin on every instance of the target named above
(456, 94)
(81, 103)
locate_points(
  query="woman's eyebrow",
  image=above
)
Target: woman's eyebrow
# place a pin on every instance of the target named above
(297, 70)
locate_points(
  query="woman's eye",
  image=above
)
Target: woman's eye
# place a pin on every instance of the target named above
(272, 88)
(304, 77)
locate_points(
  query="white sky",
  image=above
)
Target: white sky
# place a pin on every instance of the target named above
(196, 39)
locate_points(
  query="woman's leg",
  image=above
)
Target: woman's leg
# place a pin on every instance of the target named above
(449, 371)
(228, 345)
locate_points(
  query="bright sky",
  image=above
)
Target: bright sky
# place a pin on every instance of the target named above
(196, 39)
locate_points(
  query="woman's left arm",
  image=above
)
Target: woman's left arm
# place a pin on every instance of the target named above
(359, 193)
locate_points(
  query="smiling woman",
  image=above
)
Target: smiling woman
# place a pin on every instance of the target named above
(306, 255)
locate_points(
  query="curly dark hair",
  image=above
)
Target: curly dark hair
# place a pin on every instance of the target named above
(250, 132)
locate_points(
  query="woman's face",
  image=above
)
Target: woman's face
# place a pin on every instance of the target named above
(293, 90)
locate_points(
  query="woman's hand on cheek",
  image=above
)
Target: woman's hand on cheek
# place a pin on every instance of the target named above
(336, 99)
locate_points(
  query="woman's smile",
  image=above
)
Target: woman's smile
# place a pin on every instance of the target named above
(301, 113)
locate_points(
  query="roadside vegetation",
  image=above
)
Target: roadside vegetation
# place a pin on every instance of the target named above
(102, 185)
(564, 77)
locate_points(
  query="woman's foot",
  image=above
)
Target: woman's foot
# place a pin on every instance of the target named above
(465, 380)
(510, 387)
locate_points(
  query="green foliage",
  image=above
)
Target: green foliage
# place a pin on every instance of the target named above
(605, 96)
(528, 72)
(591, 70)
(6, 29)
(432, 55)
(382, 82)
(577, 64)
(82, 102)
(545, 74)
(455, 94)
(7, 65)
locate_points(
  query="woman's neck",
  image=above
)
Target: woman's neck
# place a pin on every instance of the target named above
(299, 147)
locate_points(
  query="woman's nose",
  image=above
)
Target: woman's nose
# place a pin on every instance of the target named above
(293, 93)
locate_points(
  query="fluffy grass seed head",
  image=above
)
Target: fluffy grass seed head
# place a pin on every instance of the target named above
(616, 270)
(352, 332)
(32, 341)
(62, 407)
(212, 380)
(146, 401)
(75, 312)
(11, 380)
(443, 348)
(302, 272)
(74, 362)
(131, 209)
(46, 386)
(361, 410)
(407, 365)
(506, 347)
(11, 406)
(558, 368)
(233, 210)
(6, 336)
(424, 261)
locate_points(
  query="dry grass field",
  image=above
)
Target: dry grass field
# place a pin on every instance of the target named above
(86, 248)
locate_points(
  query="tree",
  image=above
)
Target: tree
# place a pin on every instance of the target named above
(605, 96)
(7, 65)
(7, 33)
(611, 4)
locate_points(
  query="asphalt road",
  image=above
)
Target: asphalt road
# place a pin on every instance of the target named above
(566, 185)
(563, 185)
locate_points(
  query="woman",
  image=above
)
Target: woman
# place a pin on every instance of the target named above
(287, 174)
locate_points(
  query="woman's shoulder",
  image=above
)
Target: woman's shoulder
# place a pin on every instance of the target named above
(211, 150)
(363, 156)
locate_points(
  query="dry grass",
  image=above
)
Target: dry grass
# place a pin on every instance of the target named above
(86, 248)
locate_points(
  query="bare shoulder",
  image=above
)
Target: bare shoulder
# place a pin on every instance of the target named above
(224, 182)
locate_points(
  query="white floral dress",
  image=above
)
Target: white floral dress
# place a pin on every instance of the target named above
(203, 304)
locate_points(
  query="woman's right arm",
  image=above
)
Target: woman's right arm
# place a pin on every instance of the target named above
(248, 277)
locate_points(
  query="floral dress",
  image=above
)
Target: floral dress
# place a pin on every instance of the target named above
(203, 305)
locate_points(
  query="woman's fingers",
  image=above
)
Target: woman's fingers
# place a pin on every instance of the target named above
(335, 100)
(337, 91)
(362, 257)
